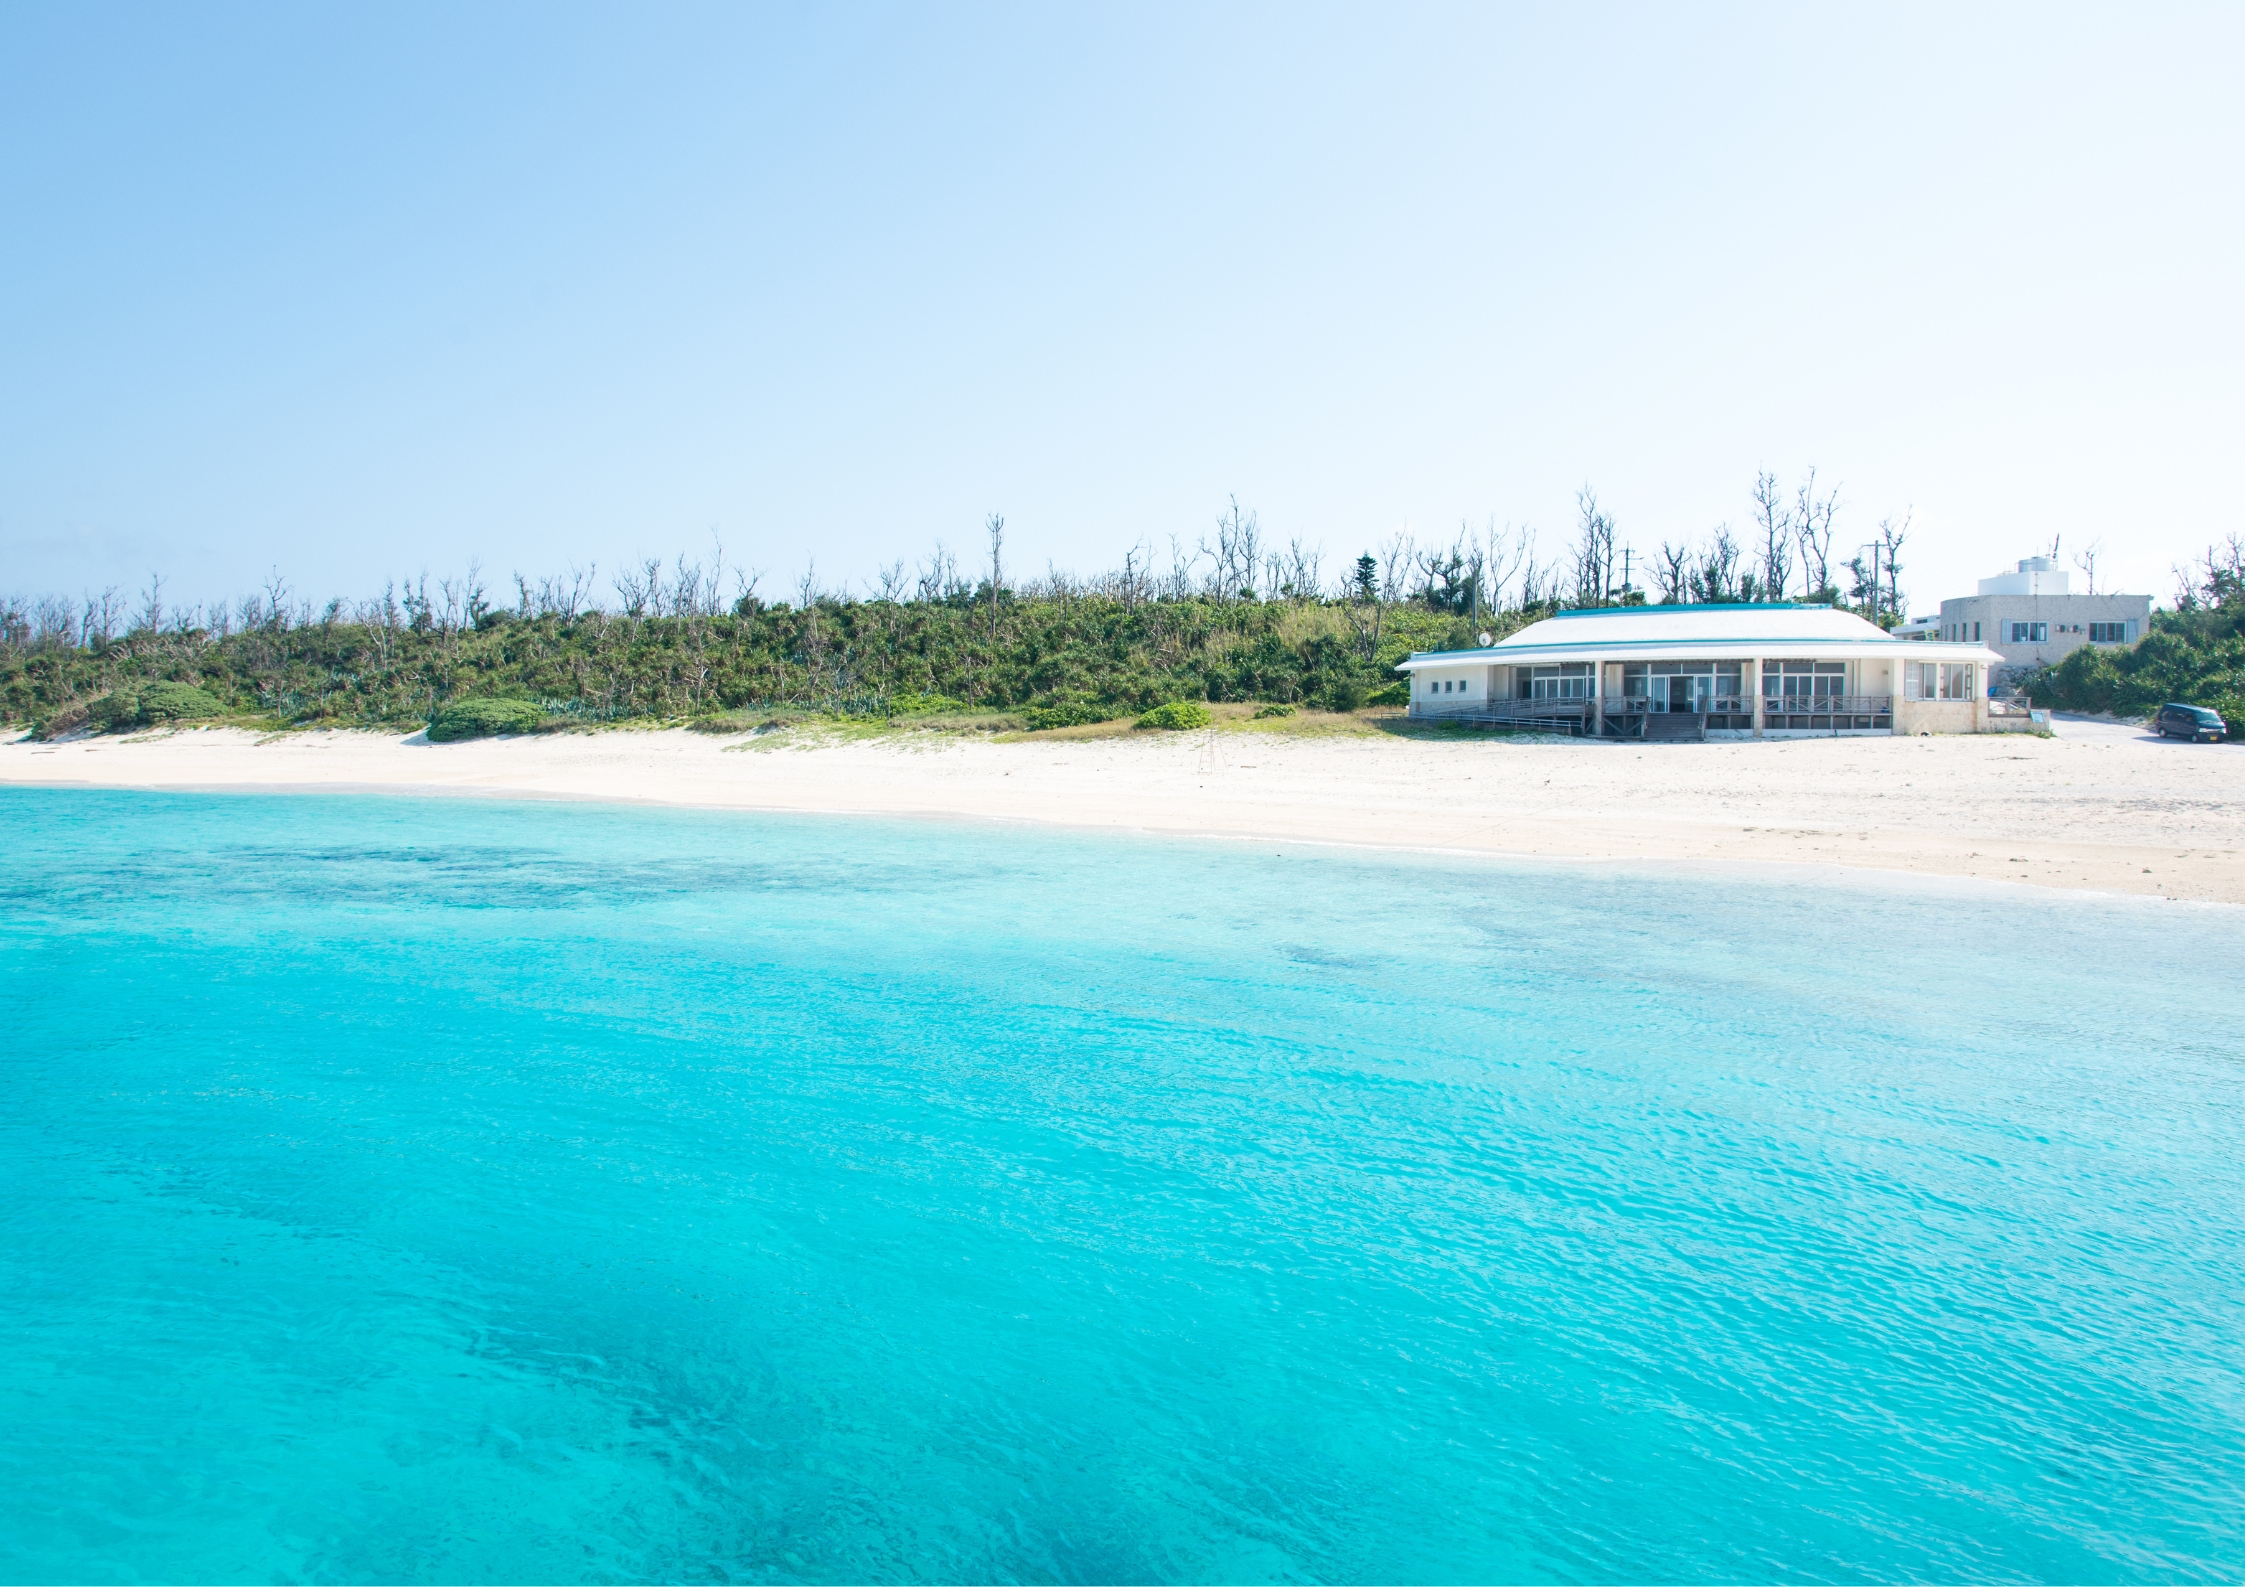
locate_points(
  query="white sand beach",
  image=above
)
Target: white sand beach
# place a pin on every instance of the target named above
(2108, 809)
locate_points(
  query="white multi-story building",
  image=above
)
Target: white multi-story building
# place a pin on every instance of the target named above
(2031, 618)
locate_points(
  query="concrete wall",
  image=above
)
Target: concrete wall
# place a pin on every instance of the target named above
(1912, 717)
(2064, 614)
(1426, 686)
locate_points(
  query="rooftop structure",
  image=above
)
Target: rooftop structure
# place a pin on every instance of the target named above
(1708, 671)
(2033, 576)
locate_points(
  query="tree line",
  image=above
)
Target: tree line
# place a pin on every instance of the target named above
(1235, 615)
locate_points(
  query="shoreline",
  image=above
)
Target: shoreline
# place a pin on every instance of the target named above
(1824, 872)
(2145, 820)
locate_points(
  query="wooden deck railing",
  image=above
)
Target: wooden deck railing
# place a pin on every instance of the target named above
(1605, 716)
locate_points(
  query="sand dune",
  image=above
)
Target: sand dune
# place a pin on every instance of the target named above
(2112, 814)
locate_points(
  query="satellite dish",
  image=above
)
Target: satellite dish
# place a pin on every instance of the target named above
(1486, 641)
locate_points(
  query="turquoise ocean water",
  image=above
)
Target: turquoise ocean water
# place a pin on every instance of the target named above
(420, 1190)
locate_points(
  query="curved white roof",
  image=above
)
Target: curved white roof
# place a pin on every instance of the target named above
(1657, 633)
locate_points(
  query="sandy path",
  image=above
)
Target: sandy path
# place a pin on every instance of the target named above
(2109, 814)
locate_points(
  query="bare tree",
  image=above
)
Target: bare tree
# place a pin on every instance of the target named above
(97, 626)
(1135, 583)
(1714, 578)
(1891, 537)
(641, 589)
(1539, 582)
(1776, 526)
(1449, 580)
(1876, 580)
(939, 575)
(2086, 560)
(1673, 573)
(1179, 584)
(1236, 556)
(151, 618)
(276, 599)
(554, 595)
(1812, 532)
(1594, 551)
(1398, 555)
(2216, 580)
(997, 528)
(54, 623)
(1502, 552)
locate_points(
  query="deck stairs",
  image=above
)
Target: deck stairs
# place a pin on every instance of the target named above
(1675, 727)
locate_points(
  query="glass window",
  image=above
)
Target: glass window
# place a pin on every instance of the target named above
(1568, 682)
(1799, 685)
(2109, 633)
(1956, 680)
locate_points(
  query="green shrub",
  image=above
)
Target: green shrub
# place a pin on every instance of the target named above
(1176, 717)
(177, 702)
(1344, 694)
(1263, 711)
(482, 718)
(123, 710)
(114, 713)
(1065, 713)
(66, 720)
(1397, 693)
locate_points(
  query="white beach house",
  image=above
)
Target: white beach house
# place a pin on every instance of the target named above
(1708, 672)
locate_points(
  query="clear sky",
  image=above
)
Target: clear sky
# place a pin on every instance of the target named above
(358, 292)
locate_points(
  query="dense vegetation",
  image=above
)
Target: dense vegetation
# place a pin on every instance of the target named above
(2195, 654)
(1238, 619)
(1052, 660)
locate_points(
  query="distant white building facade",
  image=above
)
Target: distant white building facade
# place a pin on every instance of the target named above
(2031, 618)
(1673, 672)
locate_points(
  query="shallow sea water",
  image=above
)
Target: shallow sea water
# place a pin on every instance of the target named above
(434, 1190)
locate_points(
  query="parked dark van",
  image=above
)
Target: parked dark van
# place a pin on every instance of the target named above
(2193, 722)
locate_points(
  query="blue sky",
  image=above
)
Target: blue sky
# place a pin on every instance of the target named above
(362, 292)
